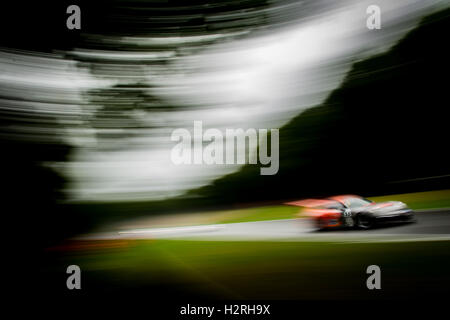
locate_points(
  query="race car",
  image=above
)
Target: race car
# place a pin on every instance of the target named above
(353, 212)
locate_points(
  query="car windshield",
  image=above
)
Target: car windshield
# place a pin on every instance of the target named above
(331, 205)
(356, 202)
(336, 205)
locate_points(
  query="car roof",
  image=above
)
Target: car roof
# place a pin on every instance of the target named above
(312, 203)
(342, 198)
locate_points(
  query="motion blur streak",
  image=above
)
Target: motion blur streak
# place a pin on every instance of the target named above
(117, 96)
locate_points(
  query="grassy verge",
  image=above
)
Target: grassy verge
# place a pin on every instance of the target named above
(420, 200)
(255, 270)
(417, 200)
(260, 213)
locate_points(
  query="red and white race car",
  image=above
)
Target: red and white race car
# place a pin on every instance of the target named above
(353, 211)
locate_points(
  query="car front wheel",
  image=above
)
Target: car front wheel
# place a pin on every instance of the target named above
(364, 221)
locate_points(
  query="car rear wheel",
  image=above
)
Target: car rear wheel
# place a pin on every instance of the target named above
(320, 224)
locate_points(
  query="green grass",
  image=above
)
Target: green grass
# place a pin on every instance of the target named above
(259, 270)
(260, 213)
(420, 200)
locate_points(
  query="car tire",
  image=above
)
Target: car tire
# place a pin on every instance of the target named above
(364, 221)
(410, 218)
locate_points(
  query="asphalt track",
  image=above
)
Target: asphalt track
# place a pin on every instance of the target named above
(431, 225)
